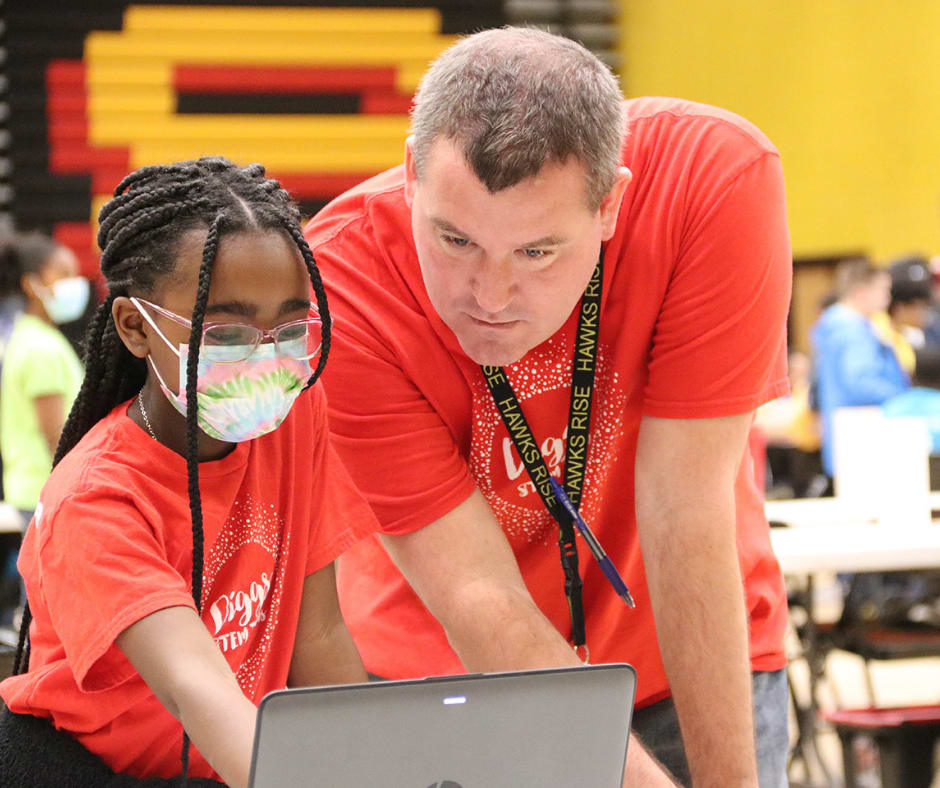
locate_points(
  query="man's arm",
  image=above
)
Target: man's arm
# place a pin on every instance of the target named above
(466, 574)
(685, 511)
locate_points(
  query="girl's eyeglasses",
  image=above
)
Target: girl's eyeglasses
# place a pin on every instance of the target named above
(234, 342)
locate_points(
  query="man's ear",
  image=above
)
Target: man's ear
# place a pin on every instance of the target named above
(131, 326)
(610, 205)
(411, 170)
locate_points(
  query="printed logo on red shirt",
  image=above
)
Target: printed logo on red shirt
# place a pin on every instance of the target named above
(236, 613)
(542, 383)
(242, 586)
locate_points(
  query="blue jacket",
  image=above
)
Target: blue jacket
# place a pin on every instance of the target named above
(852, 366)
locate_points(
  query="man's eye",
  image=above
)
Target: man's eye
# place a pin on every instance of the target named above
(456, 240)
(536, 254)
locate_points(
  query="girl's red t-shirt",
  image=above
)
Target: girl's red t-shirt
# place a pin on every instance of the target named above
(111, 542)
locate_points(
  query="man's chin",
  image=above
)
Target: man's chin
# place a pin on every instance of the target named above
(492, 354)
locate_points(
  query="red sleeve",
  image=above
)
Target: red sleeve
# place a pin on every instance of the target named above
(341, 516)
(389, 432)
(101, 569)
(719, 345)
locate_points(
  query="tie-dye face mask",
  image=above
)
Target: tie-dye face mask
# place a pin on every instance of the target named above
(239, 401)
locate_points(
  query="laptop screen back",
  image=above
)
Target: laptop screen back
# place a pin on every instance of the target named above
(551, 728)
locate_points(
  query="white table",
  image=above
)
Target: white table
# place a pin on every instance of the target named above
(816, 511)
(832, 535)
(856, 547)
(827, 511)
(10, 519)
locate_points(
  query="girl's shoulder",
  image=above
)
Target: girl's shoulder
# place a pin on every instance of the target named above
(109, 459)
(33, 341)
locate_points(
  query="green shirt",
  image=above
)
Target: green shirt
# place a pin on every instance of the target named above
(38, 362)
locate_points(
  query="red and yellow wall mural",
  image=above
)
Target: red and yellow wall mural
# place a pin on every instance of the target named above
(319, 95)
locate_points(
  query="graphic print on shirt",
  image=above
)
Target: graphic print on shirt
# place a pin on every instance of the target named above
(542, 383)
(242, 586)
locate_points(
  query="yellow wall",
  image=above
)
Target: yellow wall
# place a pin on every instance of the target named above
(849, 90)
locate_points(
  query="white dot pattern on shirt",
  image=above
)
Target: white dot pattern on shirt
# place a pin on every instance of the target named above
(251, 522)
(547, 368)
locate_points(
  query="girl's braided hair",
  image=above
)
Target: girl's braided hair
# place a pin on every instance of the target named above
(139, 234)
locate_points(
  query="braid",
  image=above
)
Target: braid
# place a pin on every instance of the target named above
(21, 658)
(192, 428)
(139, 233)
(192, 402)
(126, 204)
(322, 307)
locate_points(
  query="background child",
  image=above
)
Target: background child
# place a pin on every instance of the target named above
(41, 374)
(205, 348)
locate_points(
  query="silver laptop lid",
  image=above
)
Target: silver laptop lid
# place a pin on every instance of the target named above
(549, 728)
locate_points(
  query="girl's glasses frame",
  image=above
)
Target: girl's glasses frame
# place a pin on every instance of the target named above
(253, 334)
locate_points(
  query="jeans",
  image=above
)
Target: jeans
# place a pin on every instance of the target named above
(658, 729)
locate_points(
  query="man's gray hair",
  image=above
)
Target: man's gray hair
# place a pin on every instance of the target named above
(513, 99)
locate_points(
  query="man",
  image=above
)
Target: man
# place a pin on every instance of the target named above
(855, 363)
(483, 250)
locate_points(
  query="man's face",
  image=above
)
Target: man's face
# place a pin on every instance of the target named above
(505, 270)
(912, 313)
(876, 294)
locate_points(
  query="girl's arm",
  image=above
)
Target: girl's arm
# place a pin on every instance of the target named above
(324, 652)
(50, 415)
(177, 658)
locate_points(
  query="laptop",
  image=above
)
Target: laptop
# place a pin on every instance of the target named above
(552, 728)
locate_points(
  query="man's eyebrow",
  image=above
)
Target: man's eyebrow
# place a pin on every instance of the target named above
(447, 227)
(547, 240)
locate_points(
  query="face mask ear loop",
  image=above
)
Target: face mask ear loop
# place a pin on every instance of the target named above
(155, 327)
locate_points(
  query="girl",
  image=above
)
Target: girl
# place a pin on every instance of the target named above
(40, 290)
(179, 564)
(41, 372)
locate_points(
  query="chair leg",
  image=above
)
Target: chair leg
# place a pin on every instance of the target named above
(869, 684)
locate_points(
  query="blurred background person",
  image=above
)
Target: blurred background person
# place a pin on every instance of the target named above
(790, 427)
(908, 311)
(41, 373)
(853, 362)
(932, 329)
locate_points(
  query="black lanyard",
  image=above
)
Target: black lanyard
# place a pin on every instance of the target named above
(579, 421)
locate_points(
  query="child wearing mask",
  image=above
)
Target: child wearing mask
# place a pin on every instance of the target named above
(40, 289)
(180, 562)
(41, 373)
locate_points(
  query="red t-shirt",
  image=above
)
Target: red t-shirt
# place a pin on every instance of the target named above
(111, 542)
(695, 297)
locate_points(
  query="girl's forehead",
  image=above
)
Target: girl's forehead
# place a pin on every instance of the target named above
(253, 266)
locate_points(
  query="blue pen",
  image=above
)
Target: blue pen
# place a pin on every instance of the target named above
(607, 566)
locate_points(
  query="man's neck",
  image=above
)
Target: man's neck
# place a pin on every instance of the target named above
(854, 306)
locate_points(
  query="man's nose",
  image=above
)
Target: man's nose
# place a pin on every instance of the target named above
(492, 285)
